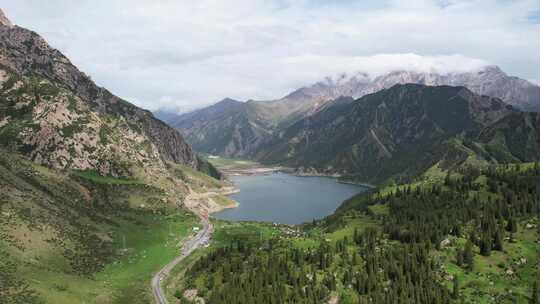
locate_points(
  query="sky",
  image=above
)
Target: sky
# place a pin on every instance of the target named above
(187, 54)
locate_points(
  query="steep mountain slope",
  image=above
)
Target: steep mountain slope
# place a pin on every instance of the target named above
(57, 115)
(398, 131)
(77, 236)
(229, 127)
(515, 138)
(90, 185)
(260, 119)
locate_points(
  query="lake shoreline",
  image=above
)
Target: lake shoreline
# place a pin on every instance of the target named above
(296, 172)
(254, 171)
(284, 197)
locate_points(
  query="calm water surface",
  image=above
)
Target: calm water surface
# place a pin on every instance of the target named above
(286, 199)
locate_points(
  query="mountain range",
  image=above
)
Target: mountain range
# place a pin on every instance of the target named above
(343, 125)
(397, 132)
(239, 129)
(93, 188)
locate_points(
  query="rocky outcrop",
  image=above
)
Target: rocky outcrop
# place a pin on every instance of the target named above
(4, 21)
(28, 62)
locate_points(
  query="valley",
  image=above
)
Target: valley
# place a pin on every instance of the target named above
(416, 185)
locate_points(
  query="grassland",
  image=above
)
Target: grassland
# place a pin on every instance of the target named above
(223, 163)
(142, 248)
(95, 177)
(198, 181)
(502, 277)
(79, 237)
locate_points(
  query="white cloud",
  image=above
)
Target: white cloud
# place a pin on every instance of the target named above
(185, 54)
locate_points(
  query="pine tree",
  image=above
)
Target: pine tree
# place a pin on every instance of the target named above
(459, 257)
(455, 290)
(512, 225)
(447, 179)
(468, 256)
(498, 242)
(485, 245)
(535, 296)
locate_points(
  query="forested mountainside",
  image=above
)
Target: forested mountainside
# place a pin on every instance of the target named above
(91, 186)
(247, 126)
(514, 138)
(399, 133)
(462, 236)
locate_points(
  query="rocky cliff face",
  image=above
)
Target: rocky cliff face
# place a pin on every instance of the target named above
(60, 117)
(4, 20)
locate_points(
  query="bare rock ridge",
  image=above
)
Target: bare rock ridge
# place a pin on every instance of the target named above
(27, 60)
(4, 20)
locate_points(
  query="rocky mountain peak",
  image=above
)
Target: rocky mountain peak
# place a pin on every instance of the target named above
(492, 69)
(228, 101)
(4, 21)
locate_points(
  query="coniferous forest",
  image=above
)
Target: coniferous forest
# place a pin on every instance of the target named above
(395, 260)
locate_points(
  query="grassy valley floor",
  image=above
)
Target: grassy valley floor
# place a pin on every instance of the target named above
(79, 237)
(142, 247)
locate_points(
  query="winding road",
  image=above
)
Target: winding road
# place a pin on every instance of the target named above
(200, 239)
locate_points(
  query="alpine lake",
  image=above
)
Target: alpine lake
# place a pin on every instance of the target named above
(285, 198)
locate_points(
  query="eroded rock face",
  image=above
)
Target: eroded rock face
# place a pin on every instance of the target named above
(44, 96)
(4, 20)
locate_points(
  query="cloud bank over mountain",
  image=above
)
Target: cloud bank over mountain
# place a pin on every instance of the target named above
(190, 54)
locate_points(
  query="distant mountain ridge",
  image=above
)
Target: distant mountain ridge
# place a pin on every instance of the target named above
(490, 81)
(251, 125)
(229, 127)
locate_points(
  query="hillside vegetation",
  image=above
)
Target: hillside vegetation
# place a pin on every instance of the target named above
(75, 236)
(91, 186)
(470, 236)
